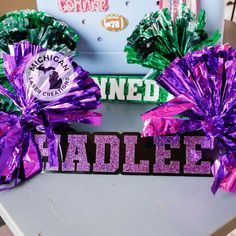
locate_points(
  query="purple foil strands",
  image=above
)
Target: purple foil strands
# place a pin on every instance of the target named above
(20, 158)
(204, 83)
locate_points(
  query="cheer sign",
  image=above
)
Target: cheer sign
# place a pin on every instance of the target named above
(128, 153)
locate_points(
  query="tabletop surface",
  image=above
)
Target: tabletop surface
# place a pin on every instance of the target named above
(68, 205)
(100, 205)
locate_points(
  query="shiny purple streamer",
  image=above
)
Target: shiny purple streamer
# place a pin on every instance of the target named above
(204, 83)
(20, 158)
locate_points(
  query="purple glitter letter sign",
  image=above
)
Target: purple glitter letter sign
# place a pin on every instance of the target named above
(128, 153)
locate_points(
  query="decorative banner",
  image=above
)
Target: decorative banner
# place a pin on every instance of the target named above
(131, 88)
(114, 22)
(128, 153)
(83, 5)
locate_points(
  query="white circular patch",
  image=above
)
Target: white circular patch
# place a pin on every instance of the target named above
(49, 76)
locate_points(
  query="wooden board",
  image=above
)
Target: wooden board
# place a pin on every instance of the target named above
(230, 33)
(11, 5)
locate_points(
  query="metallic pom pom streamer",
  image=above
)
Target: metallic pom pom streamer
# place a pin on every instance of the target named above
(158, 40)
(20, 158)
(37, 28)
(204, 83)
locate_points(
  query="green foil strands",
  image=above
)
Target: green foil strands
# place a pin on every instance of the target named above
(130, 88)
(158, 40)
(6, 104)
(38, 28)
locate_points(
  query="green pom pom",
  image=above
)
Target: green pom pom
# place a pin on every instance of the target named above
(158, 40)
(38, 28)
(6, 104)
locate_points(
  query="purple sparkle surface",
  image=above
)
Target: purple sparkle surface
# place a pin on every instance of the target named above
(114, 145)
(193, 156)
(76, 152)
(162, 155)
(130, 166)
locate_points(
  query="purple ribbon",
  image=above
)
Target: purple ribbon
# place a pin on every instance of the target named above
(204, 83)
(20, 158)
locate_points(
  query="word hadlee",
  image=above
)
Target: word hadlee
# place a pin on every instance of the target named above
(130, 154)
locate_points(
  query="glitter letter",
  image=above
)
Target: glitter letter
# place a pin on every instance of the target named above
(162, 155)
(193, 156)
(76, 152)
(114, 142)
(40, 139)
(130, 166)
